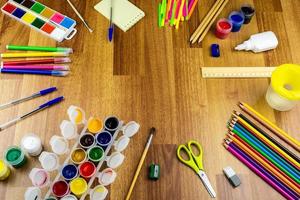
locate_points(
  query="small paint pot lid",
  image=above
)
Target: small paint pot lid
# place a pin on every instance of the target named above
(39, 177)
(49, 161)
(33, 193)
(115, 160)
(59, 145)
(68, 129)
(131, 128)
(99, 193)
(76, 115)
(32, 144)
(107, 176)
(121, 143)
(69, 197)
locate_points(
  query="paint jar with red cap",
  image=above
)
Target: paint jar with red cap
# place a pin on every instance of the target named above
(223, 28)
(60, 188)
(87, 169)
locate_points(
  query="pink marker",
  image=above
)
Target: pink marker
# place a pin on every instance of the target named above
(185, 10)
(177, 9)
(171, 10)
(38, 67)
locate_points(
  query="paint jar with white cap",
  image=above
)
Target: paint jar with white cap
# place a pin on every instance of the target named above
(59, 145)
(39, 177)
(76, 115)
(68, 130)
(49, 161)
(98, 193)
(32, 144)
(107, 176)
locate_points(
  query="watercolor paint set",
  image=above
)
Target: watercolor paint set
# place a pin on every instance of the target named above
(41, 18)
(91, 161)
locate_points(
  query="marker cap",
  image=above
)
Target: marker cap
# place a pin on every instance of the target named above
(33, 193)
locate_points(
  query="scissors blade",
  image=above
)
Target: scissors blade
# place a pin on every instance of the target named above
(207, 184)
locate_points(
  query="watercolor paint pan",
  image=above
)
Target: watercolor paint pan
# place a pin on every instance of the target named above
(41, 18)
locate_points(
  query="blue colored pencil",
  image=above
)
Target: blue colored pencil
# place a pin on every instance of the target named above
(37, 72)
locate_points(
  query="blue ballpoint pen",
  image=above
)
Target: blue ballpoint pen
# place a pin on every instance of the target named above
(38, 109)
(38, 72)
(111, 25)
(37, 94)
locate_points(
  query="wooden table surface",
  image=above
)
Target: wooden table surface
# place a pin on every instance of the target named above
(153, 76)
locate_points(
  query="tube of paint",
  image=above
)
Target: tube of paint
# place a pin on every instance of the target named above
(237, 20)
(49, 161)
(68, 130)
(98, 193)
(223, 28)
(248, 12)
(15, 157)
(4, 171)
(59, 145)
(32, 144)
(39, 177)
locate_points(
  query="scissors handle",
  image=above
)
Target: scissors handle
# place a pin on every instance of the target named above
(197, 157)
(190, 162)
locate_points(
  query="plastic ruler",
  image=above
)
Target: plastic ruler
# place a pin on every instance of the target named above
(237, 72)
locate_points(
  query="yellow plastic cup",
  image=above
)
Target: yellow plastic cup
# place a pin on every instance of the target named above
(78, 186)
(4, 171)
(284, 90)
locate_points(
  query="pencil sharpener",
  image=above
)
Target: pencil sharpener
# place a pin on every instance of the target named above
(154, 172)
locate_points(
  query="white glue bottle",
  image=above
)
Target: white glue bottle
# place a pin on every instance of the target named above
(259, 42)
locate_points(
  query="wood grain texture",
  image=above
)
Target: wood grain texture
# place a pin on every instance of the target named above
(152, 76)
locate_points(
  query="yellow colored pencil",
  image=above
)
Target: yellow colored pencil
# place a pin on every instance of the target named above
(34, 54)
(271, 126)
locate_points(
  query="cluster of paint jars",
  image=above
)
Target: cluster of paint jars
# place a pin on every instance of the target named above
(85, 158)
(234, 22)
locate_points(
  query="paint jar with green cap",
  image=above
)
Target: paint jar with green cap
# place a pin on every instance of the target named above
(15, 157)
(4, 171)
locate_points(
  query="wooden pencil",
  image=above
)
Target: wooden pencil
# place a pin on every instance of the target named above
(139, 167)
(269, 125)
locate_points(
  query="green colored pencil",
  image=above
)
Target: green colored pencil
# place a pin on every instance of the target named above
(39, 48)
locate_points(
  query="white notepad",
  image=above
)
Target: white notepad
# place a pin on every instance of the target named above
(125, 14)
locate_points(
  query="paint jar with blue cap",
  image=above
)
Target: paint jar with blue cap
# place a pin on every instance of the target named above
(69, 172)
(104, 139)
(237, 20)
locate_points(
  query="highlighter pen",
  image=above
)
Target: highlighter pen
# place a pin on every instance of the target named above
(37, 61)
(34, 54)
(38, 109)
(39, 48)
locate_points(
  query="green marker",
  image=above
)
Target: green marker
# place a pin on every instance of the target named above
(15, 157)
(39, 48)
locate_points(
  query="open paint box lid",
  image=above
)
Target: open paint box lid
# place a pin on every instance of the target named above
(131, 128)
(33, 193)
(121, 143)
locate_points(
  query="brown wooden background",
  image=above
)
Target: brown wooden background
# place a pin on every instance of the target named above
(152, 75)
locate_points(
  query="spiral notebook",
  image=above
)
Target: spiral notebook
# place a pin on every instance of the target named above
(125, 14)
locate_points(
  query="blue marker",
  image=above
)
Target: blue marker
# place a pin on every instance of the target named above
(38, 94)
(38, 109)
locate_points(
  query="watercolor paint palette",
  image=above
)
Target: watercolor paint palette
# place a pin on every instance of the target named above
(92, 160)
(41, 18)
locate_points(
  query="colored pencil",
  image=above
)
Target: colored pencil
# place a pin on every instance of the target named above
(37, 61)
(79, 15)
(271, 126)
(269, 151)
(37, 72)
(38, 109)
(261, 172)
(38, 67)
(267, 142)
(283, 148)
(269, 155)
(35, 54)
(39, 48)
(35, 95)
(139, 167)
(266, 164)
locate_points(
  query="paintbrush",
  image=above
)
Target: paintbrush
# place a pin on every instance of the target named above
(37, 94)
(38, 109)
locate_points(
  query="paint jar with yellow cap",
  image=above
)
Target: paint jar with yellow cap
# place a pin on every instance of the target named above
(284, 90)
(95, 125)
(78, 186)
(76, 115)
(4, 171)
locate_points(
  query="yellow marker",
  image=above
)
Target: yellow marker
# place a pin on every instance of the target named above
(78, 186)
(4, 171)
(95, 125)
(34, 54)
(29, 18)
